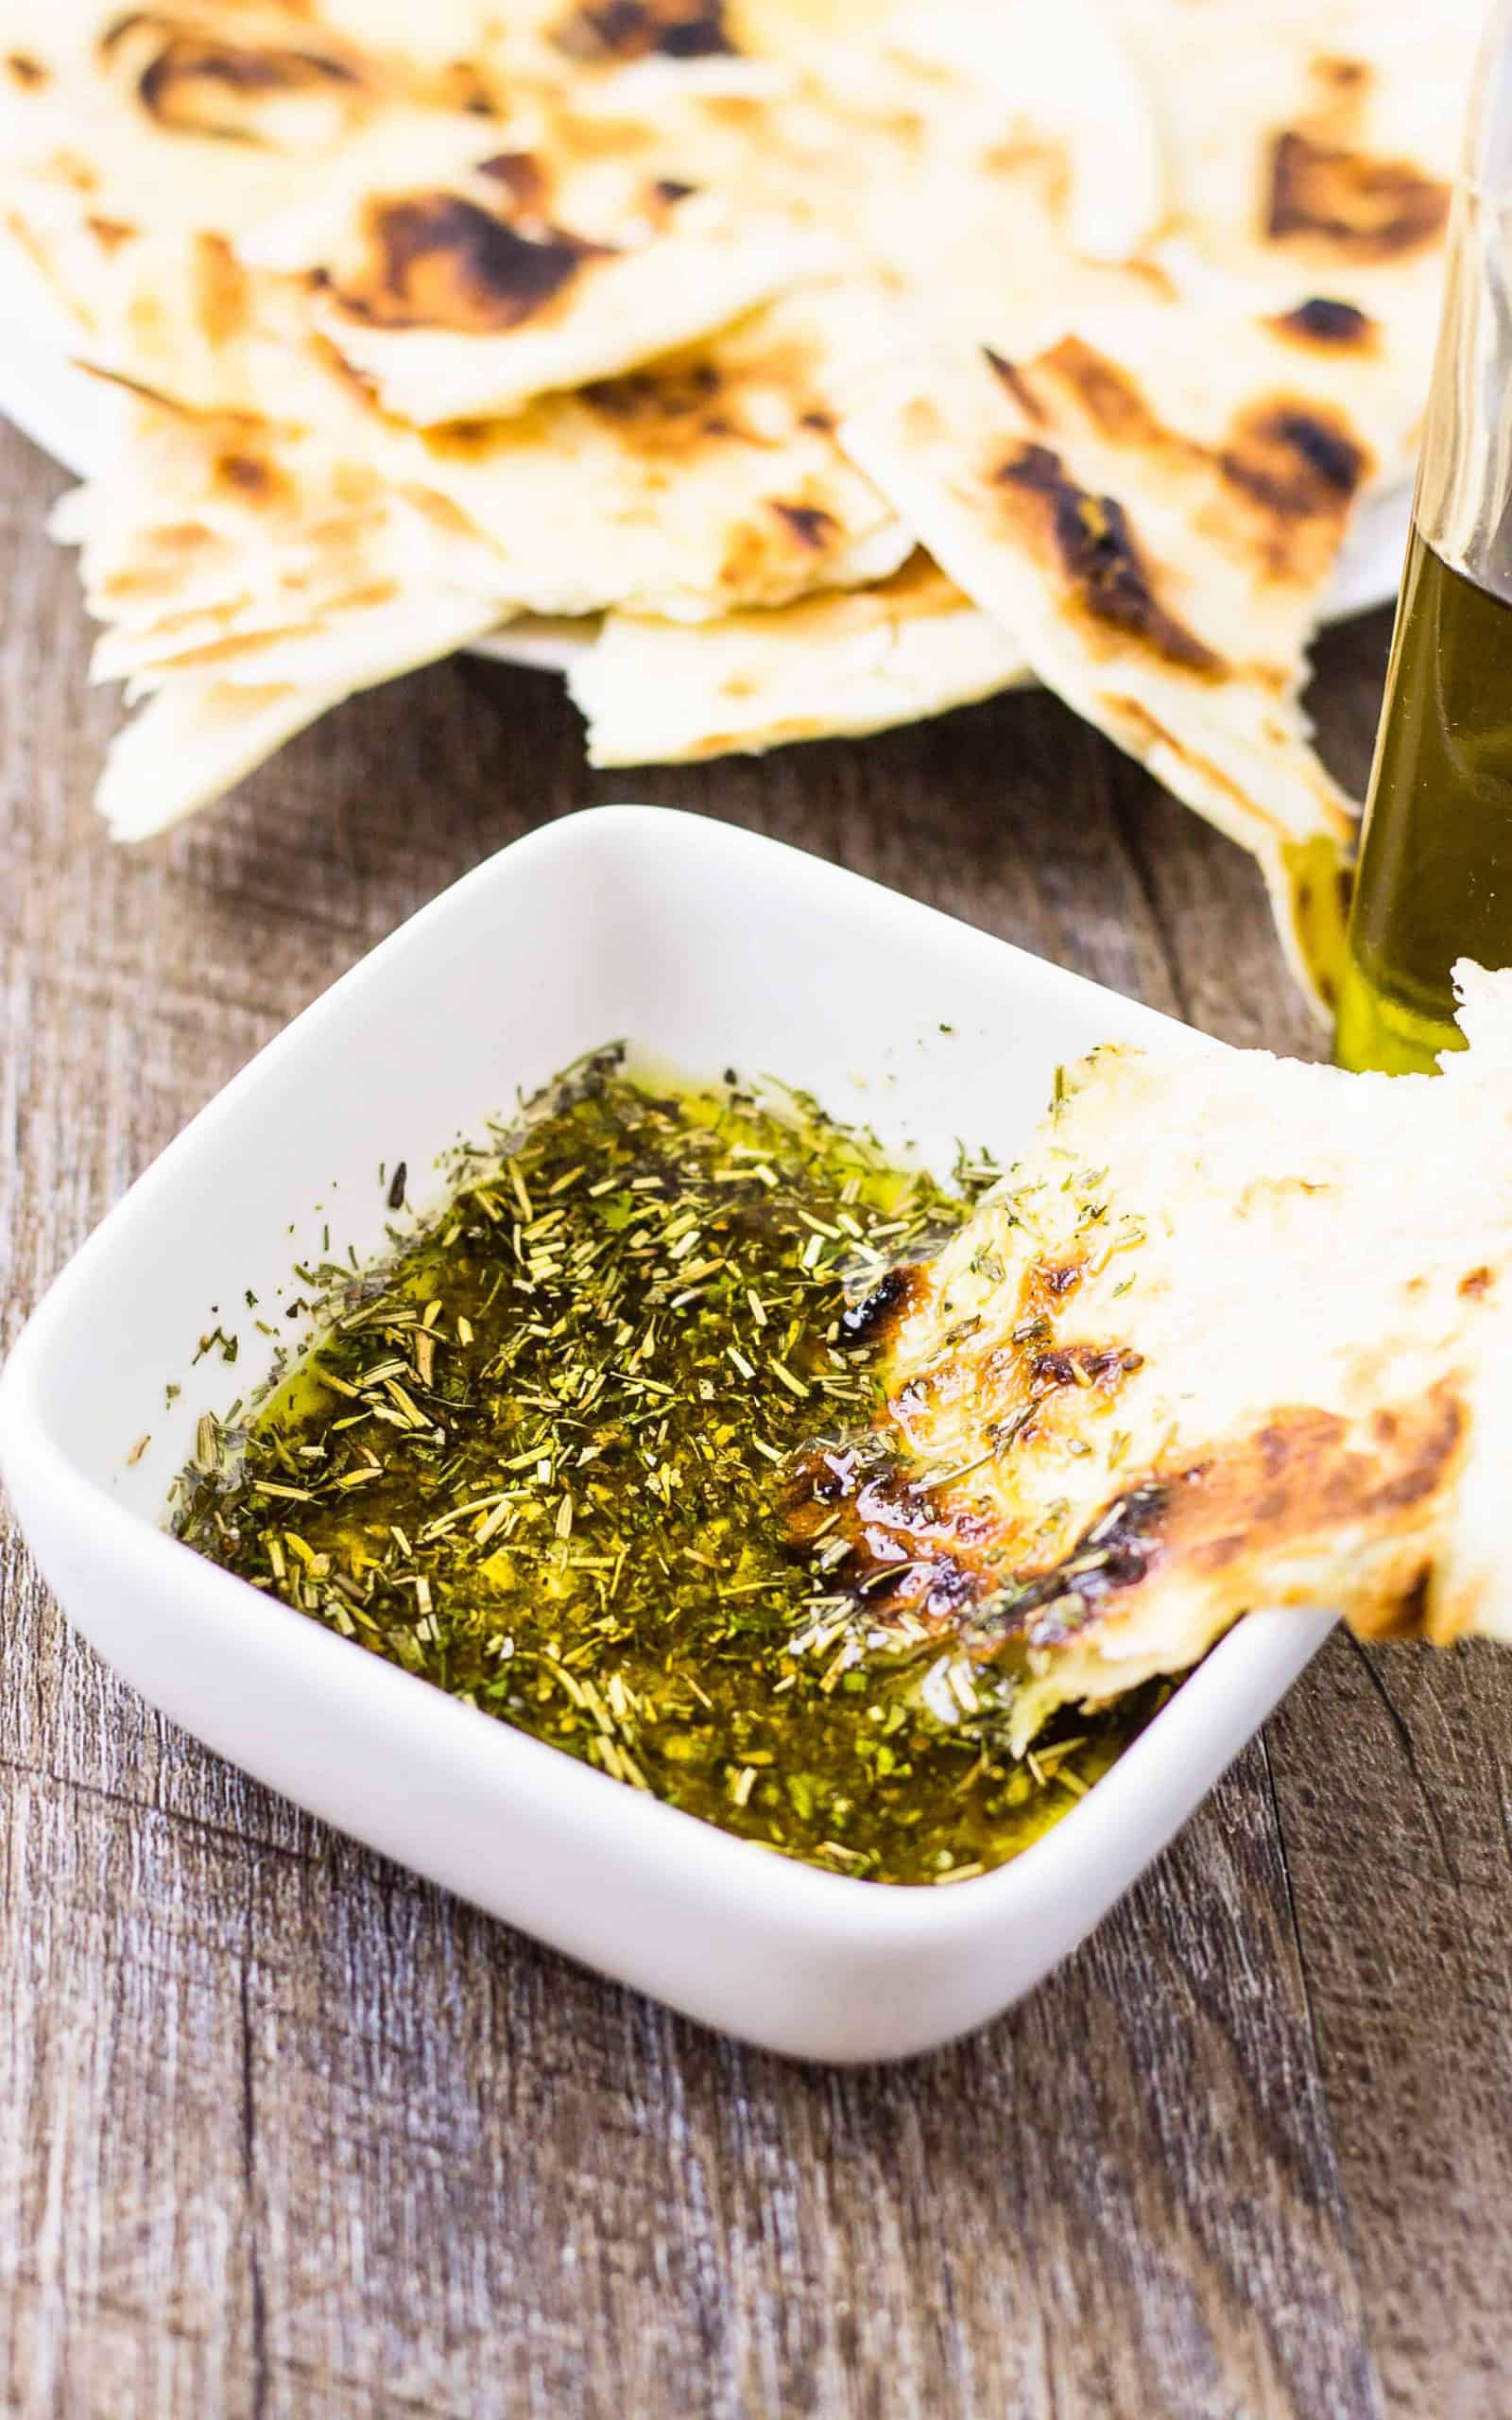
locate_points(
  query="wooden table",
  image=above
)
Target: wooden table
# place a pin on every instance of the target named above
(286, 2132)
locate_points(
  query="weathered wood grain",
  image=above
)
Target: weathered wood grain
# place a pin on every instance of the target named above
(284, 2132)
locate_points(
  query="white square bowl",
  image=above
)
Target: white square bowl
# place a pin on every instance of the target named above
(709, 948)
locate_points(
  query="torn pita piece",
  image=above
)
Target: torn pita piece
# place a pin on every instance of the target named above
(464, 267)
(136, 145)
(198, 731)
(1309, 149)
(191, 741)
(974, 146)
(218, 533)
(664, 692)
(1152, 507)
(707, 482)
(1228, 1337)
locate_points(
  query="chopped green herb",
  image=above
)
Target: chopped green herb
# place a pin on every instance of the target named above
(543, 1456)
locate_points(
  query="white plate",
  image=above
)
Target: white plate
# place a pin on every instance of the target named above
(75, 419)
(710, 947)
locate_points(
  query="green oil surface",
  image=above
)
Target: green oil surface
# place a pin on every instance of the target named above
(1435, 866)
(543, 1456)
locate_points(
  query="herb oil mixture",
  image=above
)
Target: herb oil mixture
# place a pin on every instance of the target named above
(544, 1457)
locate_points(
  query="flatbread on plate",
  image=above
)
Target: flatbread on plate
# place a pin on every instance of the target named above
(707, 482)
(658, 692)
(1233, 1333)
(999, 135)
(557, 308)
(464, 267)
(135, 145)
(215, 534)
(1311, 147)
(156, 163)
(225, 550)
(1152, 507)
(198, 733)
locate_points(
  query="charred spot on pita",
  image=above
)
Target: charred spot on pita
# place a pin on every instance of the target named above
(247, 473)
(110, 234)
(1115, 1552)
(197, 85)
(1100, 557)
(1062, 1279)
(1106, 393)
(664, 412)
(874, 1316)
(464, 86)
(26, 71)
(1295, 460)
(1337, 99)
(668, 391)
(437, 260)
(907, 1546)
(1365, 209)
(1305, 1470)
(1081, 1365)
(1009, 375)
(809, 522)
(620, 29)
(1345, 75)
(1334, 326)
(522, 175)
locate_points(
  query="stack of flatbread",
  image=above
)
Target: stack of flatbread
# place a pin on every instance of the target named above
(831, 364)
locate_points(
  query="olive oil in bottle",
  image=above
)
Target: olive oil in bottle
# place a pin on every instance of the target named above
(1435, 866)
(1436, 862)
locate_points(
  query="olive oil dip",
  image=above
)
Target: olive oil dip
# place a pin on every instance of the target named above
(547, 1456)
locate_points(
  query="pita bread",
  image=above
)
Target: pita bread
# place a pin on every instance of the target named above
(706, 482)
(216, 536)
(1310, 153)
(147, 159)
(1230, 1335)
(555, 308)
(134, 144)
(965, 148)
(199, 733)
(656, 692)
(1004, 132)
(464, 267)
(223, 550)
(991, 136)
(1158, 544)
(193, 740)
